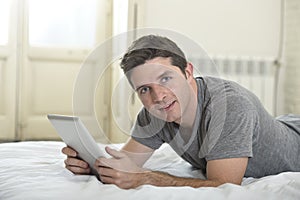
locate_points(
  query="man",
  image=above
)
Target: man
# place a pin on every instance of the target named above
(214, 124)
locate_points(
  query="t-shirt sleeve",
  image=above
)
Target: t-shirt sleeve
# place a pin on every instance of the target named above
(235, 139)
(147, 130)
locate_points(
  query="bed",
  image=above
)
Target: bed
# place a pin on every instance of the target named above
(35, 170)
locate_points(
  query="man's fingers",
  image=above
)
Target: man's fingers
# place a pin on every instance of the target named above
(114, 153)
(104, 171)
(77, 166)
(69, 151)
(107, 179)
(78, 170)
(104, 162)
(76, 162)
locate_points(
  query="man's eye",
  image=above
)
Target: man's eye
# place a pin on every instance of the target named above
(144, 90)
(166, 79)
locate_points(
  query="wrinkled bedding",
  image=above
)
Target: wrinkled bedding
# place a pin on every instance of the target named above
(35, 170)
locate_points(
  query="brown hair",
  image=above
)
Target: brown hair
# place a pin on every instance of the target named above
(149, 47)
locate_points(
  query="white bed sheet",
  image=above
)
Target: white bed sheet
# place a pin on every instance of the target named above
(35, 170)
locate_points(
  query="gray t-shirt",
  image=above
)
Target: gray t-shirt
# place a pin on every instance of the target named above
(230, 123)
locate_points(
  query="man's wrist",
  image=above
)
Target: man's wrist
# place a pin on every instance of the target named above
(156, 178)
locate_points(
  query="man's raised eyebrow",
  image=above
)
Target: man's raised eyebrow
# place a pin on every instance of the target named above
(139, 87)
(165, 73)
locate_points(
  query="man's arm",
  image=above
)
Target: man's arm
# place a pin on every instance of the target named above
(221, 171)
(125, 174)
(137, 152)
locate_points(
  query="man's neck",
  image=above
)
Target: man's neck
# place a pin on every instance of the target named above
(189, 115)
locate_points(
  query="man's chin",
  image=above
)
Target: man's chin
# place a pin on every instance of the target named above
(160, 116)
(166, 118)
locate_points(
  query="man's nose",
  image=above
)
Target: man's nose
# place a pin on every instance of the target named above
(158, 93)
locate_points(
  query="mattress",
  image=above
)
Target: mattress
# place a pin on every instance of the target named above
(35, 170)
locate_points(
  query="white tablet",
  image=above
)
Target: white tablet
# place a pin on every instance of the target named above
(75, 134)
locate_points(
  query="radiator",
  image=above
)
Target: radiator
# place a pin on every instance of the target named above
(254, 73)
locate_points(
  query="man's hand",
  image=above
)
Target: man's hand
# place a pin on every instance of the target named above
(73, 163)
(119, 170)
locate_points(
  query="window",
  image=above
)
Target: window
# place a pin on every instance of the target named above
(62, 23)
(4, 21)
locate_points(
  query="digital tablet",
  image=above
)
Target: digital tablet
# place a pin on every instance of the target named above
(75, 134)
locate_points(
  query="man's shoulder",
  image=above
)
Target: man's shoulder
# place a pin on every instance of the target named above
(221, 92)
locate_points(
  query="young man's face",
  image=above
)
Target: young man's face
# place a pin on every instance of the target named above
(163, 89)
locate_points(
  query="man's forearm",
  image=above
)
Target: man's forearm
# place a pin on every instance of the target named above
(163, 179)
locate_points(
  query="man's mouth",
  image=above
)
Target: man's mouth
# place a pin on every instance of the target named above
(168, 106)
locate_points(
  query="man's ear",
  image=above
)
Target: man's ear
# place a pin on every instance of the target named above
(189, 71)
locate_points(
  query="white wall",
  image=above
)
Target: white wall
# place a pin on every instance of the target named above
(227, 27)
(292, 57)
